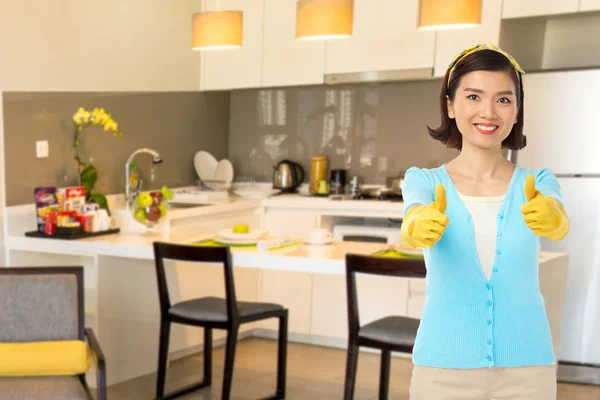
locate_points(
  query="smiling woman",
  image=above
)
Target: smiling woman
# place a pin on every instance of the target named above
(507, 89)
(479, 218)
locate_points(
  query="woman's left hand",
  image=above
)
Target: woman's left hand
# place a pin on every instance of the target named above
(544, 215)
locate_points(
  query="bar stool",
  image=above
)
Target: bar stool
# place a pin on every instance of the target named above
(212, 313)
(393, 333)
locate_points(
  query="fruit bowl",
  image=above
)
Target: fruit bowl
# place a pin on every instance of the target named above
(150, 207)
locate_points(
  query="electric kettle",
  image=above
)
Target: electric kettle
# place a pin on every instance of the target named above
(287, 176)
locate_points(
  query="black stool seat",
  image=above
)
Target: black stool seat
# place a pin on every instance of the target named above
(391, 333)
(394, 330)
(210, 313)
(215, 309)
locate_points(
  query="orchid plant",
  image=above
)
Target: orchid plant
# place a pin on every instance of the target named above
(88, 175)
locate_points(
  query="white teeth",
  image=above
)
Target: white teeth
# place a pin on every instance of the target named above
(486, 128)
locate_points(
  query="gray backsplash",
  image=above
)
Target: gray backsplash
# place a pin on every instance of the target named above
(176, 124)
(373, 130)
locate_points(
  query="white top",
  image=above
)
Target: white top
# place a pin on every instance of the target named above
(484, 211)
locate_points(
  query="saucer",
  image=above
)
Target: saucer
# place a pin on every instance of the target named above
(318, 242)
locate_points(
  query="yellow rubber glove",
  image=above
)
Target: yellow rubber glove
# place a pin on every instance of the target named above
(424, 226)
(544, 215)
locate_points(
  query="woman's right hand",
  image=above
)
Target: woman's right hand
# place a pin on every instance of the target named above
(424, 226)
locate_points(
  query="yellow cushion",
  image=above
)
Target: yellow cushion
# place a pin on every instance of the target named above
(68, 357)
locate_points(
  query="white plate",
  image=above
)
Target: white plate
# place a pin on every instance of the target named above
(227, 234)
(255, 193)
(318, 242)
(205, 165)
(224, 171)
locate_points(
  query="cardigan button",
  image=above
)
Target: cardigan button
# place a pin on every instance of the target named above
(494, 269)
(501, 215)
(489, 321)
(489, 358)
(488, 286)
(489, 342)
(489, 303)
(498, 252)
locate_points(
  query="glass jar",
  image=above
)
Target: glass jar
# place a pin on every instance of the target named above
(318, 166)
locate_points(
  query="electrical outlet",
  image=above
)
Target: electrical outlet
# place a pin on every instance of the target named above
(41, 149)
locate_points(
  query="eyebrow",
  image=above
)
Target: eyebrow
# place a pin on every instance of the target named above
(481, 91)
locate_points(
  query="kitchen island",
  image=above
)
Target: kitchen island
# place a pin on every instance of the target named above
(122, 296)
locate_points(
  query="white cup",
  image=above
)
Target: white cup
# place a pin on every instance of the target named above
(320, 235)
(103, 218)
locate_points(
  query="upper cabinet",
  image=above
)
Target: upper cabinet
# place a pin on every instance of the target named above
(285, 60)
(588, 5)
(235, 68)
(532, 8)
(450, 43)
(385, 37)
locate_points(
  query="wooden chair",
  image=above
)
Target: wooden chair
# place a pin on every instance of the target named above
(393, 333)
(212, 313)
(42, 304)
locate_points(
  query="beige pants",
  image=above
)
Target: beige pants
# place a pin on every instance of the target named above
(523, 383)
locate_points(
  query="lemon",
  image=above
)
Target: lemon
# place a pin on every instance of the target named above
(241, 228)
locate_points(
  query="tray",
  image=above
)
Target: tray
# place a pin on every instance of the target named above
(71, 234)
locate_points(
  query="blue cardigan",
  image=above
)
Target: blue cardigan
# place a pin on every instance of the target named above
(468, 321)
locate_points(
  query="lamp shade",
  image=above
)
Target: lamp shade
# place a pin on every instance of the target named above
(324, 19)
(217, 30)
(449, 14)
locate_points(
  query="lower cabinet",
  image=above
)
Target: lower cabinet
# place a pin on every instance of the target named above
(378, 297)
(292, 290)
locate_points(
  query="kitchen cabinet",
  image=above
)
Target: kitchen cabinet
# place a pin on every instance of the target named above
(385, 37)
(287, 61)
(293, 291)
(450, 43)
(532, 8)
(235, 68)
(378, 297)
(588, 5)
(297, 223)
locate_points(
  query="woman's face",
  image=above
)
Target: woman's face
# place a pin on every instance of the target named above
(485, 108)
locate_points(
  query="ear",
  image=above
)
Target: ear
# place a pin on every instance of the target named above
(450, 108)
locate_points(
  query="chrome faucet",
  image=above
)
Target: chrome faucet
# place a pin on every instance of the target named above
(156, 159)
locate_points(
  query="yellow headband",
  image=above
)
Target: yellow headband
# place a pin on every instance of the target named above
(478, 47)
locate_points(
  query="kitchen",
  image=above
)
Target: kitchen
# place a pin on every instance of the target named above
(270, 101)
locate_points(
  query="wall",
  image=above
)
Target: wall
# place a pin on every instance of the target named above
(85, 45)
(374, 130)
(177, 125)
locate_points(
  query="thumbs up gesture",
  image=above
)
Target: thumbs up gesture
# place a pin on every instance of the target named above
(424, 226)
(544, 215)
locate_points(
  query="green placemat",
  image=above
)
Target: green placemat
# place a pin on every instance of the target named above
(214, 243)
(391, 253)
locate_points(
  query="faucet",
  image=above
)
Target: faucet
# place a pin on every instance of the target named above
(156, 159)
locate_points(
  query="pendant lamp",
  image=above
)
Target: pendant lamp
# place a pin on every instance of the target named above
(214, 30)
(324, 19)
(449, 14)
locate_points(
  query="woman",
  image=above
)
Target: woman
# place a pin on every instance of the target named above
(484, 333)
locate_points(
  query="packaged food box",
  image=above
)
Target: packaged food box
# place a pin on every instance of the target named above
(73, 198)
(45, 204)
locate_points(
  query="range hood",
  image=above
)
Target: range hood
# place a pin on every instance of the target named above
(380, 76)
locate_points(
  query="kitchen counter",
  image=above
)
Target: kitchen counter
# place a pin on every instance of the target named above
(121, 291)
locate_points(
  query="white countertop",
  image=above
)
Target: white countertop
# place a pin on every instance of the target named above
(323, 259)
(328, 259)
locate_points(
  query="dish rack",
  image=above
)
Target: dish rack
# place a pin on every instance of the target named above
(203, 192)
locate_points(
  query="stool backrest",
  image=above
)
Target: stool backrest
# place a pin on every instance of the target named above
(41, 304)
(394, 267)
(199, 254)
